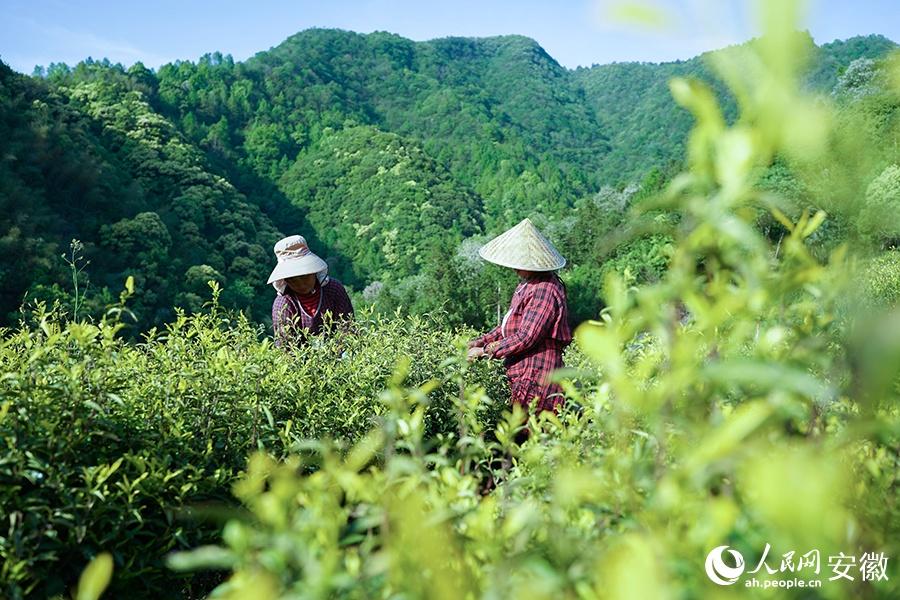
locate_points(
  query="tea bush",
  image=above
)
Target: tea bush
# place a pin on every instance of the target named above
(107, 445)
(881, 279)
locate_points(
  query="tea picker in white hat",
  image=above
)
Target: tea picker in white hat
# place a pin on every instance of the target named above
(535, 331)
(307, 298)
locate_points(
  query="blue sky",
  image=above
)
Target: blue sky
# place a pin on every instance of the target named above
(574, 32)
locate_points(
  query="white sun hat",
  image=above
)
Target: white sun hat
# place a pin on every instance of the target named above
(523, 247)
(295, 258)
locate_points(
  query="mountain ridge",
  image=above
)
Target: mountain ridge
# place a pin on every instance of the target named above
(493, 129)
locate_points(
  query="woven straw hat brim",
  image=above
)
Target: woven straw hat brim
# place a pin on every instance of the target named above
(526, 266)
(300, 266)
(523, 247)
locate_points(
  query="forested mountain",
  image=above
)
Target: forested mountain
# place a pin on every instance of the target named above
(398, 199)
(393, 157)
(646, 127)
(92, 160)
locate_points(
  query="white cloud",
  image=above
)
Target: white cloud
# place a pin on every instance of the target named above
(71, 46)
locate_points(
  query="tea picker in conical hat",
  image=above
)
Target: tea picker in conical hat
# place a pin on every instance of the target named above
(307, 298)
(535, 330)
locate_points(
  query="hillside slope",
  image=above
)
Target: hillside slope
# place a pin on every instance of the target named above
(190, 173)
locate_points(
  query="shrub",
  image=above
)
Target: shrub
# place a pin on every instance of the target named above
(879, 219)
(881, 280)
(106, 445)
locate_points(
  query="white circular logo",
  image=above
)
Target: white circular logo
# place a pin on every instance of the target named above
(718, 571)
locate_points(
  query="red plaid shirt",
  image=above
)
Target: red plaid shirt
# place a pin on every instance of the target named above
(291, 323)
(532, 339)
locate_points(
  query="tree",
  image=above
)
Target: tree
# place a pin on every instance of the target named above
(879, 219)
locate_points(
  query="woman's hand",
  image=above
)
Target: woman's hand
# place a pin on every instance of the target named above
(475, 353)
(472, 344)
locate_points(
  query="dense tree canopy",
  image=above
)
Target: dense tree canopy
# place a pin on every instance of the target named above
(394, 158)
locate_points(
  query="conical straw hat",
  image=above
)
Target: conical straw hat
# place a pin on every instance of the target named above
(523, 247)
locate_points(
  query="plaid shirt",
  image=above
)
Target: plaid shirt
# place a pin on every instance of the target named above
(291, 323)
(531, 340)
